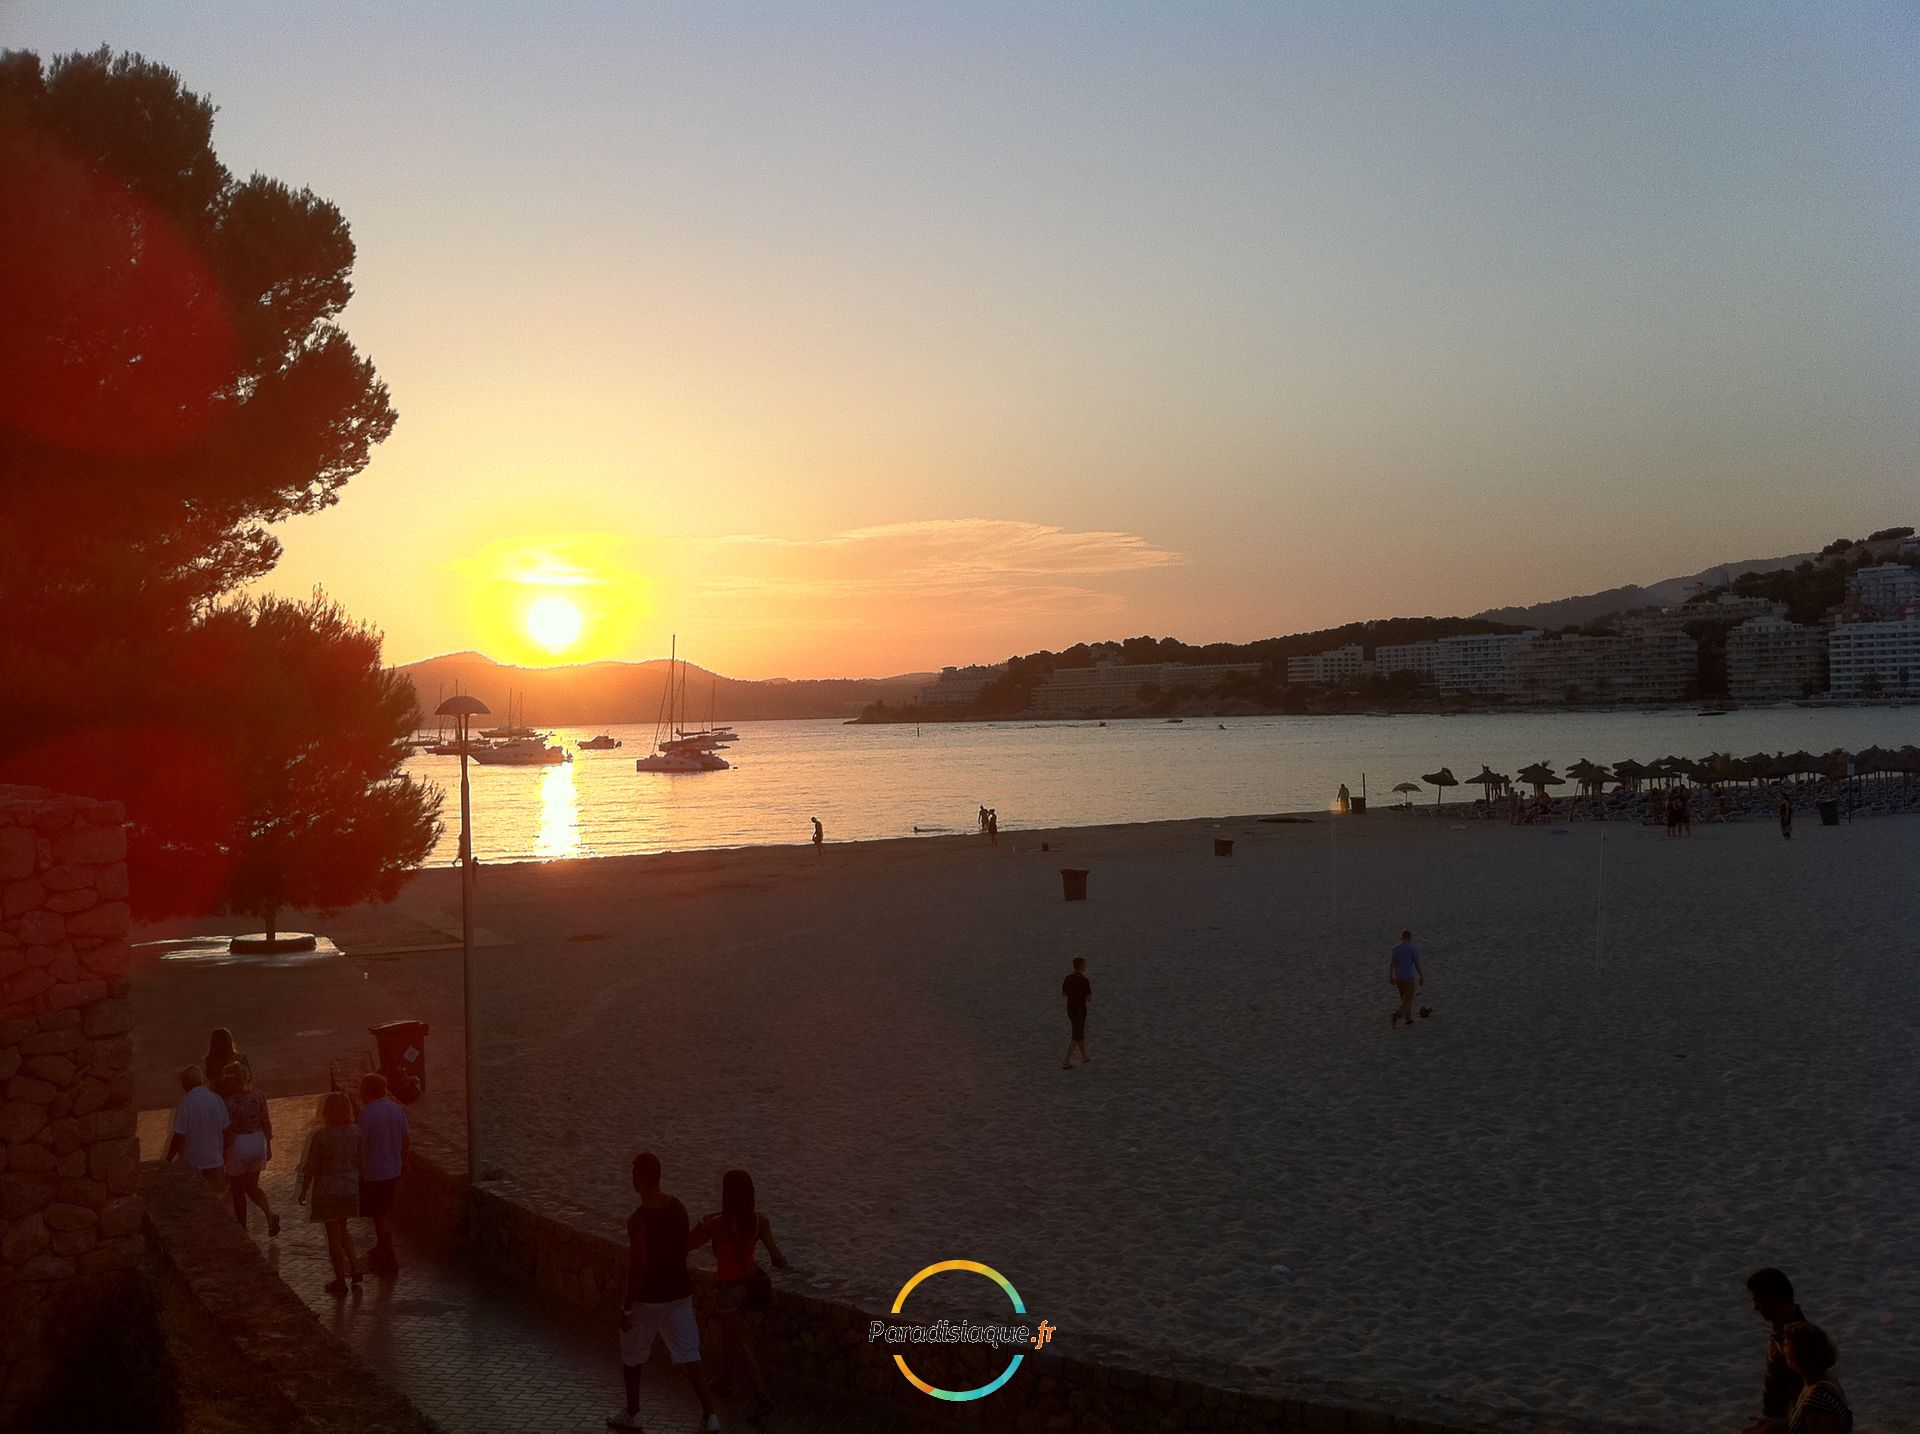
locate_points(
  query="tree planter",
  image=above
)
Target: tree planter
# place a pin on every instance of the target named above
(261, 944)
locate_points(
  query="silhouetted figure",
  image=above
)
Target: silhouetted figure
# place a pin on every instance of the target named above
(983, 819)
(221, 1053)
(1078, 990)
(1786, 814)
(1403, 972)
(819, 835)
(384, 1125)
(1772, 1295)
(330, 1169)
(659, 1295)
(200, 1122)
(249, 1138)
(1345, 798)
(993, 827)
(1822, 1407)
(739, 1282)
(1685, 797)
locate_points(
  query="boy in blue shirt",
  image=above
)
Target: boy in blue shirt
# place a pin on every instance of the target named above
(1403, 973)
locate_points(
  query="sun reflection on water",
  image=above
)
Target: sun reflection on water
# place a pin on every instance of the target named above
(559, 834)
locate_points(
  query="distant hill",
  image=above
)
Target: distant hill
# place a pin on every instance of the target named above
(599, 693)
(1668, 592)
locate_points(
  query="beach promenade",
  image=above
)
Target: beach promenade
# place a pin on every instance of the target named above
(1651, 1066)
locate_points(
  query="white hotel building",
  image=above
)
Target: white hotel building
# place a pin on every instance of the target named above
(1481, 664)
(1888, 650)
(1340, 664)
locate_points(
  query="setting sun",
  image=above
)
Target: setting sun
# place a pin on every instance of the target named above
(554, 623)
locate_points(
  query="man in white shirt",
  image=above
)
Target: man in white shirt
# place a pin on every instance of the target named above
(200, 1124)
(384, 1124)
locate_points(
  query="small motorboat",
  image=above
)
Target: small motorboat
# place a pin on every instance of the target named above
(602, 743)
(521, 752)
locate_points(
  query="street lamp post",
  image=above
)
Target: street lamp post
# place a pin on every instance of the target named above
(461, 709)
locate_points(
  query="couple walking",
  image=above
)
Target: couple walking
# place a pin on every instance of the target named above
(659, 1296)
(352, 1166)
(223, 1129)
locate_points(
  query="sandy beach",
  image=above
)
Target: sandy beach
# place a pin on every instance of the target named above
(1652, 1066)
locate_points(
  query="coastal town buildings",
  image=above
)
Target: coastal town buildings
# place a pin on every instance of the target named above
(1340, 664)
(1479, 664)
(1769, 658)
(1887, 652)
(1112, 685)
(958, 686)
(1885, 590)
(1644, 667)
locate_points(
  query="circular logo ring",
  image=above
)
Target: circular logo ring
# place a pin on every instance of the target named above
(972, 1267)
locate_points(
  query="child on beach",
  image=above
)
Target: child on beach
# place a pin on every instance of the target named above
(1403, 973)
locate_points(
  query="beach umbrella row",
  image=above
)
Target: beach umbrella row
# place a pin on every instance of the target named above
(1715, 769)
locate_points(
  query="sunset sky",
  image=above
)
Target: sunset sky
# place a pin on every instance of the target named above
(857, 339)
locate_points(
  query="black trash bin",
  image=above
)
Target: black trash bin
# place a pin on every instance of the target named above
(1222, 846)
(1357, 806)
(1829, 811)
(1074, 882)
(403, 1057)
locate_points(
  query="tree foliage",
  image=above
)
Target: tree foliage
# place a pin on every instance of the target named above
(173, 380)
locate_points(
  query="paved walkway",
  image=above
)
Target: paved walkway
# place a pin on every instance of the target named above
(476, 1351)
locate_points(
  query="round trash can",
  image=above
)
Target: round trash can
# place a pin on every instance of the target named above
(1829, 811)
(402, 1046)
(1075, 883)
(1222, 846)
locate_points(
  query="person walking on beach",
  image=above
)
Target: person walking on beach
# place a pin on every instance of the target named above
(383, 1124)
(200, 1122)
(1078, 990)
(739, 1282)
(249, 1139)
(1786, 814)
(993, 826)
(659, 1295)
(819, 836)
(1772, 1294)
(1403, 972)
(330, 1169)
(1685, 797)
(1822, 1407)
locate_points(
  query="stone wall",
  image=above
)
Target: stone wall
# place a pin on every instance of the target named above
(813, 1336)
(70, 1211)
(264, 1321)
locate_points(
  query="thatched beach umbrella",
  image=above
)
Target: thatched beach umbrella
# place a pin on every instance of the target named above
(1540, 776)
(1491, 780)
(1589, 775)
(1409, 788)
(1440, 780)
(1630, 774)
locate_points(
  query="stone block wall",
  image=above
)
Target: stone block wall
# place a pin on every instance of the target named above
(70, 1211)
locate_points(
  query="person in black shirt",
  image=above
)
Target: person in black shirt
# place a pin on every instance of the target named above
(1078, 990)
(659, 1295)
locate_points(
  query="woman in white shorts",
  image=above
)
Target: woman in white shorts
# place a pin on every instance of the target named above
(249, 1143)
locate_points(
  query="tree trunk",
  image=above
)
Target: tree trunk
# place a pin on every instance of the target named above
(271, 916)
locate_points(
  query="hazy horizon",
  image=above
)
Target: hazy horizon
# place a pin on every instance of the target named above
(873, 338)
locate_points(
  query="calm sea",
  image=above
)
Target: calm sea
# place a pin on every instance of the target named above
(888, 781)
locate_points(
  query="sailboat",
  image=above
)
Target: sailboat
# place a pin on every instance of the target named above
(511, 729)
(678, 753)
